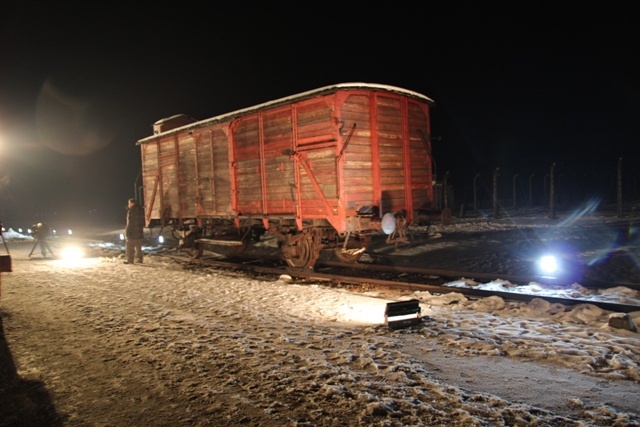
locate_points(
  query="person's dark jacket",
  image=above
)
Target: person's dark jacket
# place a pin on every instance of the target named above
(135, 223)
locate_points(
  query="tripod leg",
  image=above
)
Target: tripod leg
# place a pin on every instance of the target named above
(50, 251)
(44, 248)
(34, 247)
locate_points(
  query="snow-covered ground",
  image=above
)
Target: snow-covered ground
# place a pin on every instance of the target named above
(160, 344)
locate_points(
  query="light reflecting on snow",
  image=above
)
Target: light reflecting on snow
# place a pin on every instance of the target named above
(77, 263)
(327, 340)
(71, 253)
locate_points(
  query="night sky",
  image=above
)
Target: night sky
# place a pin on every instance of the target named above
(517, 86)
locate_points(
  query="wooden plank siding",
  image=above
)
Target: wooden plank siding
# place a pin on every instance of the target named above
(277, 131)
(263, 149)
(150, 176)
(248, 168)
(169, 202)
(299, 157)
(357, 167)
(221, 172)
(264, 170)
(420, 156)
(204, 180)
(316, 142)
(389, 129)
(401, 160)
(187, 181)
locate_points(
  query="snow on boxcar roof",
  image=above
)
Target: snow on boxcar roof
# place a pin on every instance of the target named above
(287, 99)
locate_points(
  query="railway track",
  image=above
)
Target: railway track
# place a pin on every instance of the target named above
(406, 278)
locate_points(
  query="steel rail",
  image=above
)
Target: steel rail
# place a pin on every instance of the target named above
(399, 283)
(549, 280)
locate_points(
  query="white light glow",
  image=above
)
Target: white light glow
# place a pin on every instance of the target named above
(71, 253)
(74, 257)
(365, 312)
(160, 239)
(121, 236)
(548, 264)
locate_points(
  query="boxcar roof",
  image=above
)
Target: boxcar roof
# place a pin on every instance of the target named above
(288, 99)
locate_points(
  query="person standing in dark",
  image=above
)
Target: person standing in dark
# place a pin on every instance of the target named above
(134, 232)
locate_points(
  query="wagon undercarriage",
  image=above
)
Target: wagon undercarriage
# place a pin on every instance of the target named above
(298, 248)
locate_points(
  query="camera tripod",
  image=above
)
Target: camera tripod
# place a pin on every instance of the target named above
(44, 247)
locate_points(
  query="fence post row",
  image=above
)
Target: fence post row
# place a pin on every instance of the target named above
(550, 193)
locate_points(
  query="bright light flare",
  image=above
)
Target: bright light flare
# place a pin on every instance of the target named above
(548, 264)
(160, 239)
(121, 236)
(74, 257)
(71, 253)
(562, 263)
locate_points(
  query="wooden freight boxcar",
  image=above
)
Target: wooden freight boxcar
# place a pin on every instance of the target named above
(323, 169)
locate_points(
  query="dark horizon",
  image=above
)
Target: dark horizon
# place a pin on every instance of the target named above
(516, 87)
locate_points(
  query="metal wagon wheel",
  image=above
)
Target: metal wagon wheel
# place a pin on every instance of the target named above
(304, 255)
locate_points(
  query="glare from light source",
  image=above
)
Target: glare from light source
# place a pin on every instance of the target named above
(366, 311)
(71, 253)
(121, 236)
(69, 232)
(548, 264)
(74, 257)
(160, 239)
